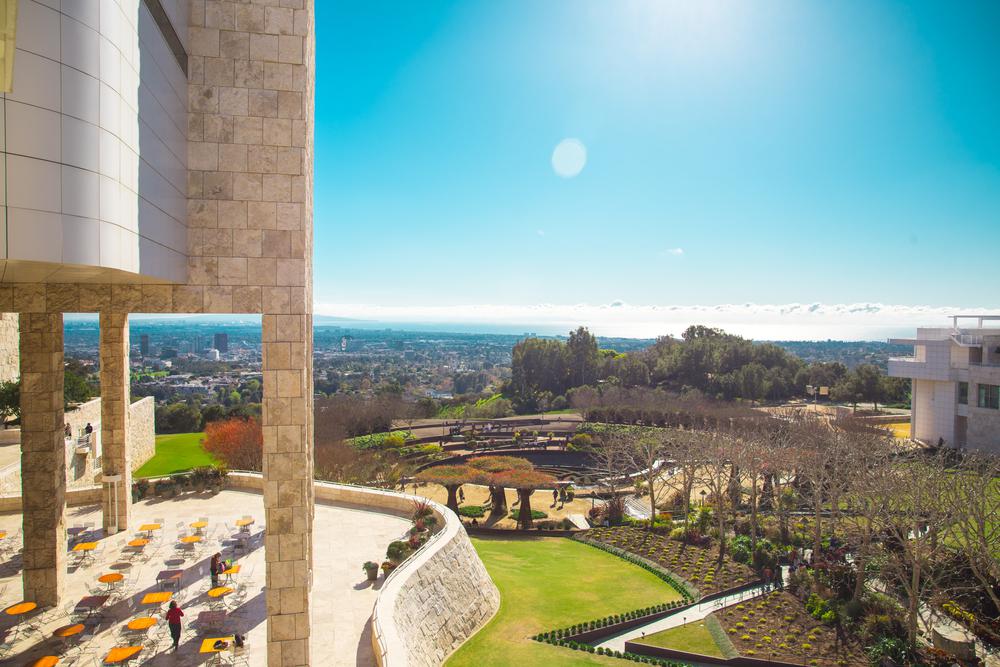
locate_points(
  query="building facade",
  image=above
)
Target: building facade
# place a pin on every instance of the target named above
(156, 157)
(956, 383)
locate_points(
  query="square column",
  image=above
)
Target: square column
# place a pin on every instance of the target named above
(115, 400)
(288, 485)
(43, 457)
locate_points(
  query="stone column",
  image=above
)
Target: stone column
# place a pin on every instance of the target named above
(43, 457)
(117, 456)
(288, 485)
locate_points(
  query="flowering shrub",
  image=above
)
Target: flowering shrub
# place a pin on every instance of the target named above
(238, 442)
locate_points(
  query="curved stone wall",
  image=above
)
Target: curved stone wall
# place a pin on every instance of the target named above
(432, 603)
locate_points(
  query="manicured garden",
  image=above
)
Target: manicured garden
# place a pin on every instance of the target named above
(696, 564)
(548, 583)
(693, 638)
(176, 452)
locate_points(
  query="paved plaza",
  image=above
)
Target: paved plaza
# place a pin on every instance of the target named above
(342, 599)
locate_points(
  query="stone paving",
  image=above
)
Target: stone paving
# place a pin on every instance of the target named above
(345, 537)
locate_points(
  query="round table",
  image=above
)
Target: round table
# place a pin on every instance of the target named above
(111, 578)
(68, 631)
(191, 539)
(141, 623)
(3, 534)
(20, 608)
(46, 661)
(199, 524)
(220, 591)
(140, 542)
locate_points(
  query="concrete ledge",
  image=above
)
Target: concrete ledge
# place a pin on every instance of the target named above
(87, 495)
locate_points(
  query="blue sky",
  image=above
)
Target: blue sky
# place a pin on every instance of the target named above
(737, 152)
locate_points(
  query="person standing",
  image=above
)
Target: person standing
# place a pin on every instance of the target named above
(174, 615)
(215, 568)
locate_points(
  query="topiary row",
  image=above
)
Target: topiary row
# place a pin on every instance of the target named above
(644, 564)
(624, 655)
(607, 621)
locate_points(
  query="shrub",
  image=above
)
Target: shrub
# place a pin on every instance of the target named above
(397, 551)
(238, 442)
(472, 511)
(535, 514)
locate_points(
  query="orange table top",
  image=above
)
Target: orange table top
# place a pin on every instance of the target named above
(220, 591)
(138, 543)
(85, 546)
(157, 598)
(3, 534)
(121, 654)
(199, 524)
(208, 645)
(147, 527)
(20, 608)
(46, 661)
(141, 623)
(244, 522)
(191, 539)
(68, 630)
(111, 577)
(235, 569)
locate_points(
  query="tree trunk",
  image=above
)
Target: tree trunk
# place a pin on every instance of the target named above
(498, 501)
(753, 515)
(652, 502)
(914, 606)
(524, 520)
(859, 563)
(818, 530)
(453, 497)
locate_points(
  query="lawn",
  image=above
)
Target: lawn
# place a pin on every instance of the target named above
(900, 430)
(693, 638)
(176, 452)
(548, 583)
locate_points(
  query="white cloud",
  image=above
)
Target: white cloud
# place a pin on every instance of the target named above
(793, 321)
(676, 252)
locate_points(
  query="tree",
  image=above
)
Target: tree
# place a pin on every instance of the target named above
(974, 497)
(868, 381)
(490, 466)
(526, 482)
(682, 448)
(715, 469)
(238, 442)
(581, 350)
(10, 400)
(451, 477)
(644, 451)
(76, 389)
(178, 418)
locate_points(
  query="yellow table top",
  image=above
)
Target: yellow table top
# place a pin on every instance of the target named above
(220, 591)
(3, 534)
(46, 661)
(121, 654)
(148, 527)
(208, 645)
(138, 543)
(141, 623)
(111, 577)
(68, 630)
(235, 569)
(20, 608)
(199, 524)
(157, 598)
(244, 522)
(191, 539)
(85, 546)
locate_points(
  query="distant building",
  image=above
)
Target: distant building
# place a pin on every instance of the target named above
(956, 383)
(221, 342)
(212, 354)
(144, 345)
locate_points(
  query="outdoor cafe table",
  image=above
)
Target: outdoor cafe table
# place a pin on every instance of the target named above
(171, 577)
(141, 623)
(92, 603)
(120, 654)
(235, 569)
(138, 543)
(157, 598)
(148, 528)
(191, 539)
(3, 534)
(212, 619)
(111, 579)
(208, 646)
(67, 631)
(45, 661)
(20, 609)
(244, 524)
(198, 525)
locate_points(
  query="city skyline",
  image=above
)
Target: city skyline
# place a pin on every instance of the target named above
(760, 153)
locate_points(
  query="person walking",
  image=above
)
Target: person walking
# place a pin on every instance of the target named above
(215, 568)
(174, 615)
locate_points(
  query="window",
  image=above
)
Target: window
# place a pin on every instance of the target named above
(963, 393)
(989, 396)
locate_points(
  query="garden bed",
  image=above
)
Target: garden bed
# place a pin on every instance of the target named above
(778, 626)
(697, 565)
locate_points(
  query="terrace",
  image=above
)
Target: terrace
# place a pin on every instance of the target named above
(343, 599)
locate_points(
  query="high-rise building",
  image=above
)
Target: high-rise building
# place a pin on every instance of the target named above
(956, 383)
(144, 345)
(221, 342)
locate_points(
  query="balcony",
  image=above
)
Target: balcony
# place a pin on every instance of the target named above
(909, 367)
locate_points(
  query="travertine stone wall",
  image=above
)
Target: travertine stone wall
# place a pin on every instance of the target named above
(115, 404)
(9, 369)
(142, 431)
(43, 456)
(444, 602)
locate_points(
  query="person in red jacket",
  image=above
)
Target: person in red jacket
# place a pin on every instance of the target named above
(174, 615)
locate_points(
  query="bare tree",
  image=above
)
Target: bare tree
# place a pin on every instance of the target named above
(644, 452)
(715, 469)
(975, 500)
(682, 449)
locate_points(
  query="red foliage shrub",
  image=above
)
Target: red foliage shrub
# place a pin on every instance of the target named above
(237, 442)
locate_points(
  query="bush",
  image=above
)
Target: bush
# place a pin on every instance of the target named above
(535, 514)
(472, 511)
(237, 442)
(397, 551)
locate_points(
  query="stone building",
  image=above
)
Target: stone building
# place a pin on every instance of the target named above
(156, 157)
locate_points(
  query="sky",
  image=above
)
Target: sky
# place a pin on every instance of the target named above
(631, 165)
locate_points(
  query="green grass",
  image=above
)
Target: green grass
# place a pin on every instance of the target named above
(549, 583)
(693, 637)
(176, 452)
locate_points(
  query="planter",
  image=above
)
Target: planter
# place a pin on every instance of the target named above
(372, 573)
